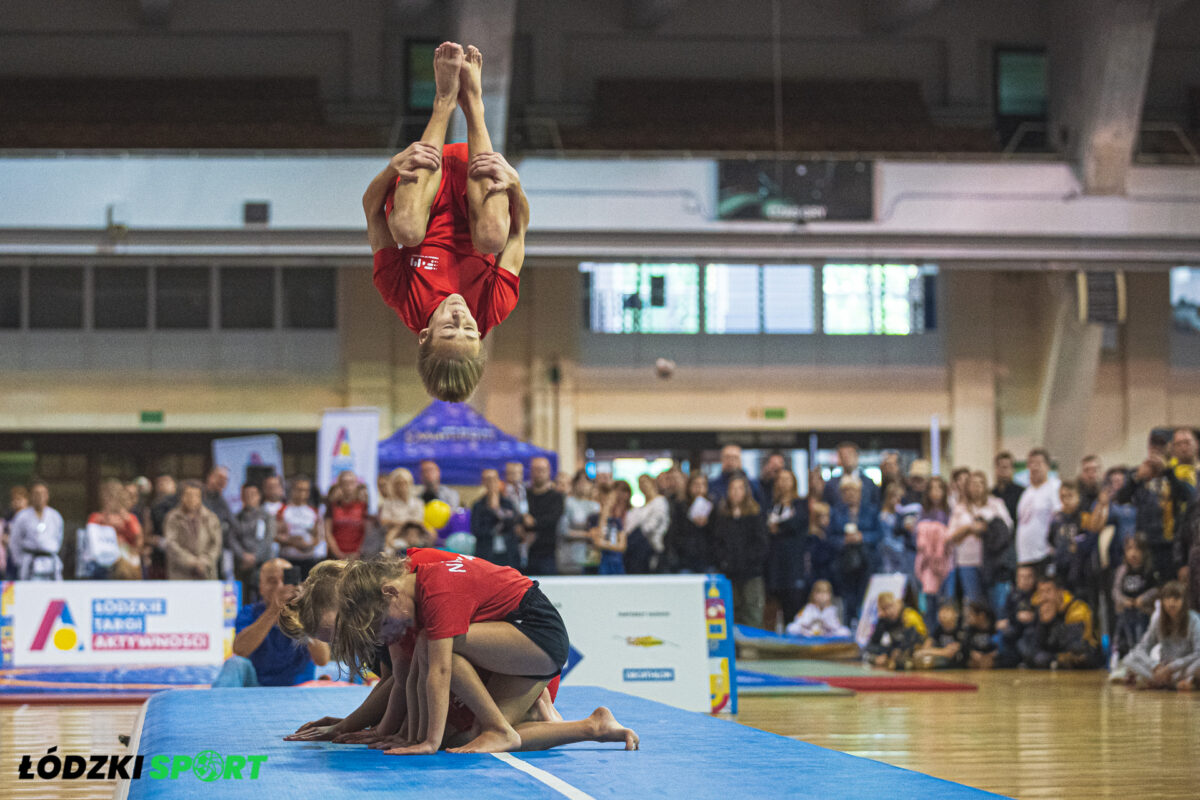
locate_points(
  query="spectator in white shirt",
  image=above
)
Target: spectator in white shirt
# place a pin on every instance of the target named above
(298, 528)
(37, 536)
(1039, 503)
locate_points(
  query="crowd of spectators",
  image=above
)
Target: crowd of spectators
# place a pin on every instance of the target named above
(1034, 573)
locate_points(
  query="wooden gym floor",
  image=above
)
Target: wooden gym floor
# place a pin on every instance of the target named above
(1023, 734)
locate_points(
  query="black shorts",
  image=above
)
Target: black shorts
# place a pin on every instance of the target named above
(538, 619)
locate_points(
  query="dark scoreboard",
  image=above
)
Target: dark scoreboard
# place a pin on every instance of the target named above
(780, 190)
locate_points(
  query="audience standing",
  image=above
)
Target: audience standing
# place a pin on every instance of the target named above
(688, 548)
(787, 527)
(432, 488)
(739, 536)
(299, 529)
(1008, 490)
(114, 513)
(346, 515)
(578, 509)
(1035, 511)
(847, 454)
(252, 538)
(541, 521)
(493, 522)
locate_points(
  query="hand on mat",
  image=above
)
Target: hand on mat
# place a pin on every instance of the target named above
(417, 155)
(319, 722)
(367, 736)
(318, 733)
(422, 749)
(391, 742)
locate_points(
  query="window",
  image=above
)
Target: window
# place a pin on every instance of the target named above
(1185, 298)
(419, 82)
(10, 298)
(875, 298)
(1021, 83)
(732, 298)
(748, 298)
(788, 305)
(247, 297)
(642, 298)
(183, 297)
(56, 297)
(309, 298)
(120, 298)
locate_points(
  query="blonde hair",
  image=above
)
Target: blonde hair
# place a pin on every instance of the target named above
(361, 609)
(449, 378)
(301, 618)
(400, 473)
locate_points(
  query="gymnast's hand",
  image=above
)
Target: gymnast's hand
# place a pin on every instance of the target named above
(316, 723)
(317, 733)
(366, 736)
(418, 155)
(496, 170)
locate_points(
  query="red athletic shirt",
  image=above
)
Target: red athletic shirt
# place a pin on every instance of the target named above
(415, 280)
(453, 594)
(128, 530)
(349, 525)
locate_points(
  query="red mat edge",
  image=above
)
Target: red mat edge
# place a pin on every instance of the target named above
(62, 698)
(897, 684)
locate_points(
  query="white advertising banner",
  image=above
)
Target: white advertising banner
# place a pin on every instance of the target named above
(87, 623)
(891, 582)
(239, 454)
(647, 636)
(349, 440)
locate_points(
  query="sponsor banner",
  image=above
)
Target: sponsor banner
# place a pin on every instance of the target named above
(243, 456)
(782, 190)
(6, 623)
(879, 584)
(722, 650)
(349, 440)
(644, 635)
(95, 623)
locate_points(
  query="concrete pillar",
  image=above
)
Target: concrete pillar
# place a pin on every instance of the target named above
(970, 344)
(364, 327)
(1099, 62)
(1069, 381)
(1146, 345)
(490, 26)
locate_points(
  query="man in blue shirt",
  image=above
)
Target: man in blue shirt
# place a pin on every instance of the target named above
(262, 655)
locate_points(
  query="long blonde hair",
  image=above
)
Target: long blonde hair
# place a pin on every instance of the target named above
(449, 378)
(361, 609)
(301, 618)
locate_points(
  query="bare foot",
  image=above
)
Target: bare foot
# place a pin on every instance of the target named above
(470, 79)
(607, 729)
(545, 710)
(491, 741)
(447, 65)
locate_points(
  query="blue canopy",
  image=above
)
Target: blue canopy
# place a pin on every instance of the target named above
(462, 443)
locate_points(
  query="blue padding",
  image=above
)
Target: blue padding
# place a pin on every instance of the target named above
(683, 754)
(748, 678)
(100, 680)
(747, 635)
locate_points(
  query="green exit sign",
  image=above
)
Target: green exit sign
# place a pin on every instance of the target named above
(152, 417)
(774, 413)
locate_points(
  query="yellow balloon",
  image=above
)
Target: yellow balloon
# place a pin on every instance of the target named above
(437, 514)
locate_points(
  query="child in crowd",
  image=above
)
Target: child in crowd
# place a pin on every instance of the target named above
(892, 548)
(934, 562)
(898, 632)
(820, 616)
(608, 534)
(1175, 633)
(1135, 588)
(944, 647)
(1064, 636)
(1069, 542)
(1018, 615)
(980, 636)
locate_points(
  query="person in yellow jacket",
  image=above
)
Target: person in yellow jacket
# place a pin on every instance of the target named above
(898, 632)
(1064, 636)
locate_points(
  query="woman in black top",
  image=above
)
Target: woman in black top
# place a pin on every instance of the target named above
(787, 526)
(688, 545)
(739, 536)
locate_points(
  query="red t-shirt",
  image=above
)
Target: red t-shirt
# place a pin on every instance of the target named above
(128, 530)
(349, 525)
(453, 594)
(415, 280)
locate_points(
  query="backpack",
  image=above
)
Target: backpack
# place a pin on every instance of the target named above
(999, 553)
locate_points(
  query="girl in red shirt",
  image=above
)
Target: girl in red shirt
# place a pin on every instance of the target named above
(459, 216)
(346, 517)
(471, 614)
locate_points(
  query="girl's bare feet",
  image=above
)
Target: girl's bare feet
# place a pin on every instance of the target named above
(470, 79)
(606, 729)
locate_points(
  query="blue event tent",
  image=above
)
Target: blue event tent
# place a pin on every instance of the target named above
(460, 440)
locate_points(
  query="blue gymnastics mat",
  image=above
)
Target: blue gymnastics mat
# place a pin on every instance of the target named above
(684, 754)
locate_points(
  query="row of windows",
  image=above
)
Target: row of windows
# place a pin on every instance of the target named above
(1185, 298)
(759, 298)
(167, 298)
